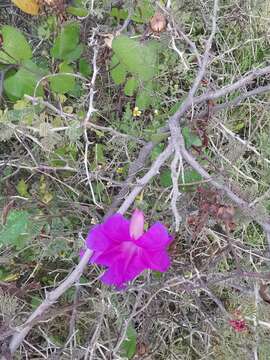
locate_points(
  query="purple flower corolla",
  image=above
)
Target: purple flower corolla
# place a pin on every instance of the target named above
(126, 250)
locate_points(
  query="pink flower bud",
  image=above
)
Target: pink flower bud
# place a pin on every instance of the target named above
(136, 224)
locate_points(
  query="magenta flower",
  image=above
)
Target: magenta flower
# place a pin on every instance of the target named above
(124, 248)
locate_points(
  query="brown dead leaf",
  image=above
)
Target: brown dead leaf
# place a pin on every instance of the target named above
(28, 6)
(158, 23)
(142, 348)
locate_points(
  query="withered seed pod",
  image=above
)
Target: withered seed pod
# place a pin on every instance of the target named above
(158, 23)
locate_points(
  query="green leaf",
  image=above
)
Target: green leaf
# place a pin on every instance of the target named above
(15, 46)
(128, 346)
(158, 137)
(61, 84)
(74, 54)
(190, 138)
(99, 154)
(145, 97)
(157, 274)
(22, 188)
(24, 115)
(144, 11)
(78, 3)
(118, 72)
(130, 87)
(67, 42)
(190, 176)
(165, 178)
(77, 11)
(138, 58)
(157, 151)
(14, 232)
(24, 81)
(100, 191)
(174, 108)
(35, 301)
(84, 67)
(120, 14)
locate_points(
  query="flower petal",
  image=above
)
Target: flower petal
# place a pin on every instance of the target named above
(108, 257)
(114, 230)
(122, 253)
(123, 270)
(156, 260)
(113, 276)
(157, 237)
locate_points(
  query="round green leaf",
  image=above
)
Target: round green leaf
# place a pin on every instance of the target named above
(24, 81)
(190, 176)
(74, 54)
(130, 87)
(144, 11)
(165, 178)
(66, 42)
(15, 46)
(128, 346)
(84, 67)
(190, 138)
(62, 84)
(118, 72)
(137, 58)
(145, 97)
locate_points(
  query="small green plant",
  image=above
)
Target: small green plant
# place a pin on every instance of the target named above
(135, 65)
(23, 74)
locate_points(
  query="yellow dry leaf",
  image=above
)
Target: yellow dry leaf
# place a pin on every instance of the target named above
(28, 6)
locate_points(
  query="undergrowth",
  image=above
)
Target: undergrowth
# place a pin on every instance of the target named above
(59, 178)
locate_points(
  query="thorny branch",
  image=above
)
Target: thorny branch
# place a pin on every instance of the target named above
(87, 119)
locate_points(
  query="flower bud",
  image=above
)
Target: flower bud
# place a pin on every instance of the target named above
(136, 224)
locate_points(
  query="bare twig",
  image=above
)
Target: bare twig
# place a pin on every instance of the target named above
(176, 168)
(90, 111)
(134, 168)
(235, 102)
(90, 351)
(242, 82)
(146, 178)
(37, 100)
(176, 28)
